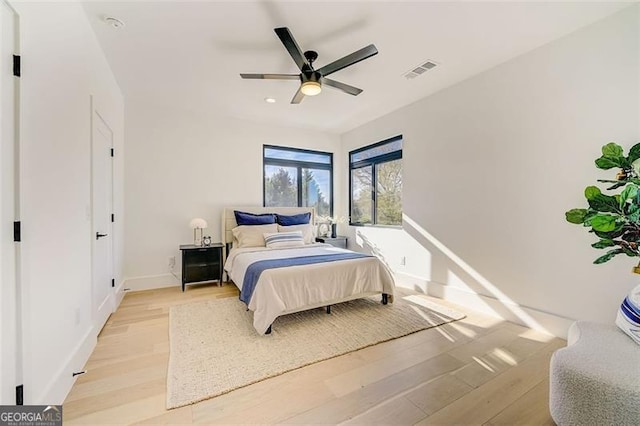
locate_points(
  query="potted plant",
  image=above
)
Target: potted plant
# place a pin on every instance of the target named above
(615, 218)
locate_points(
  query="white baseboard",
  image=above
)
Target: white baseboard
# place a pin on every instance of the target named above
(60, 385)
(119, 295)
(150, 282)
(410, 281)
(555, 325)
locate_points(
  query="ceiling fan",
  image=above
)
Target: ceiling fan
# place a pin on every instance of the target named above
(311, 80)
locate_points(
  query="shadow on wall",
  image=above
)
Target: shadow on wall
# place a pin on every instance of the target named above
(369, 247)
(454, 279)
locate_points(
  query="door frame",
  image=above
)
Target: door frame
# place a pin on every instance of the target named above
(97, 322)
(11, 313)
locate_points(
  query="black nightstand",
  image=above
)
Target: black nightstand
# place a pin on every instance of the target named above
(201, 263)
(337, 241)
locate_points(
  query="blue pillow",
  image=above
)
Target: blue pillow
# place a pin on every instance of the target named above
(244, 218)
(296, 219)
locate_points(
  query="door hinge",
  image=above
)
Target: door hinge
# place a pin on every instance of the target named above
(113, 218)
(16, 231)
(112, 152)
(16, 65)
(113, 282)
(20, 395)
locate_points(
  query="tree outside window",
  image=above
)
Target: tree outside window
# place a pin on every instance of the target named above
(298, 178)
(376, 184)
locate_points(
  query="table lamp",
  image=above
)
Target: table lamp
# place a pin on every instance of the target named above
(197, 225)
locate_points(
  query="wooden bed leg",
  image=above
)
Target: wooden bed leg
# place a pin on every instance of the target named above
(385, 298)
(268, 330)
(328, 309)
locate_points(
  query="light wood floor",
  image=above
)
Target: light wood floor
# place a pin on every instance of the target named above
(476, 371)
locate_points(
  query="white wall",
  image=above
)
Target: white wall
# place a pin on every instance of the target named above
(62, 66)
(491, 165)
(182, 164)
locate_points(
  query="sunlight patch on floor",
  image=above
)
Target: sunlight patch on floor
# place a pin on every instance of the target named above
(505, 356)
(484, 364)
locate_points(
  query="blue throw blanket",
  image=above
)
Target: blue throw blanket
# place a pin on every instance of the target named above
(254, 270)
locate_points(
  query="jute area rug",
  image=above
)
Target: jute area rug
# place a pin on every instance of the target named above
(214, 348)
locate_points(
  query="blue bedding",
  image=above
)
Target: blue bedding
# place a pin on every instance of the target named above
(252, 275)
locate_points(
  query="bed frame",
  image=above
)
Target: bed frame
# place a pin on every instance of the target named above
(229, 222)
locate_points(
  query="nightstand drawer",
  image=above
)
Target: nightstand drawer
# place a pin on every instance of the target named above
(201, 272)
(201, 264)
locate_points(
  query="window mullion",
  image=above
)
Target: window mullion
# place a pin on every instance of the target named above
(299, 186)
(374, 209)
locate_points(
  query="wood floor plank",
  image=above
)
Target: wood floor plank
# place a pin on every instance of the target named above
(178, 416)
(396, 411)
(438, 393)
(532, 409)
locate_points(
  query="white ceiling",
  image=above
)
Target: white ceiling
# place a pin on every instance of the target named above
(189, 54)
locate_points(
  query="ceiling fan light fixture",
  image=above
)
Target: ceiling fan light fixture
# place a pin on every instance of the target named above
(311, 88)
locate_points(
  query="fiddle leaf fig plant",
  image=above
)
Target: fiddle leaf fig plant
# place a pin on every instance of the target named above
(614, 219)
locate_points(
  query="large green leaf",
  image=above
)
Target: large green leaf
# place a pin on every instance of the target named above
(576, 215)
(603, 223)
(617, 232)
(630, 192)
(612, 150)
(634, 153)
(607, 257)
(604, 203)
(634, 217)
(603, 244)
(606, 163)
(590, 192)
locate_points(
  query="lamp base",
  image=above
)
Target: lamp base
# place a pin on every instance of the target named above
(197, 237)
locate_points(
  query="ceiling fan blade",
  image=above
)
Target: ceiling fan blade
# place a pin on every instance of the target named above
(341, 86)
(298, 97)
(271, 76)
(353, 58)
(292, 47)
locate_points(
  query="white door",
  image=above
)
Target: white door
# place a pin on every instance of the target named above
(10, 321)
(102, 207)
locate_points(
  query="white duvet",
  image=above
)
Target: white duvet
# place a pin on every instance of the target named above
(295, 288)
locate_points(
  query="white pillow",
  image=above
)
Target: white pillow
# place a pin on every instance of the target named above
(628, 318)
(252, 235)
(308, 231)
(284, 239)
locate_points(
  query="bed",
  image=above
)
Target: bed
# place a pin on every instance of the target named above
(280, 281)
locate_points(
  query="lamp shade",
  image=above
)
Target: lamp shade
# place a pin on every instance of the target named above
(198, 223)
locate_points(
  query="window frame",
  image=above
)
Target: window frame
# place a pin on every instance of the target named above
(298, 165)
(373, 162)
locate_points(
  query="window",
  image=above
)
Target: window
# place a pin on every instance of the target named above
(298, 178)
(376, 184)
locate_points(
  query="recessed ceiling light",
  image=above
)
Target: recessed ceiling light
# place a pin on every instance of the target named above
(270, 100)
(114, 22)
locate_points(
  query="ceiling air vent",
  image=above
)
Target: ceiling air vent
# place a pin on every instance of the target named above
(420, 69)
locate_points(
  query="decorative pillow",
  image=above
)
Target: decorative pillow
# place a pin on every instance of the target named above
(284, 239)
(244, 218)
(628, 318)
(308, 231)
(251, 236)
(296, 219)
